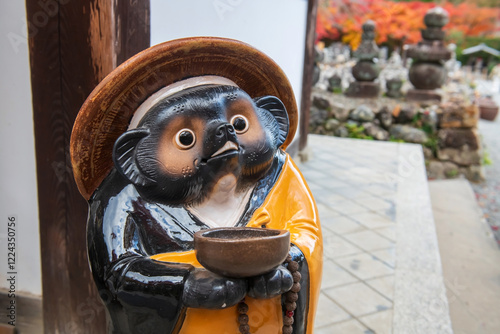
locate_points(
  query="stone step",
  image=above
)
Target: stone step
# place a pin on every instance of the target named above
(470, 256)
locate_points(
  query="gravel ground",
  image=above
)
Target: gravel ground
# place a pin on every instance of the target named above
(488, 193)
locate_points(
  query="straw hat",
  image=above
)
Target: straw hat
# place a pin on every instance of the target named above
(107, 112)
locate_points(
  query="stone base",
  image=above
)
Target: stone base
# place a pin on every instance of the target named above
(457, 113)
(488, 109)
(440, 170)
(363, 89)
(463, 157)
(461, 146)
(422, 95)
(474, 173)
(394, 94)
(488, 113)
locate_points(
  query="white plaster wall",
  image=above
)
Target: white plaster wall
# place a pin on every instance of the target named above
(18, 191)
(276, 27)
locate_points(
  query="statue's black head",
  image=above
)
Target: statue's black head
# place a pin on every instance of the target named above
(186, 142)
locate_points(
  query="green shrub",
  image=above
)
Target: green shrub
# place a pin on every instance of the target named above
(486, 161)
(395, 140)
(357, 132)
(451, 173)
(432, 143)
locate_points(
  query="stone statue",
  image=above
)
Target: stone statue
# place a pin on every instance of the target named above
(186, 140)
(427, 72)
(366, 70)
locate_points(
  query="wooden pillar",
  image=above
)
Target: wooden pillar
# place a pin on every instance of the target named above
(73, 46)
(307, 76)
(132, 28)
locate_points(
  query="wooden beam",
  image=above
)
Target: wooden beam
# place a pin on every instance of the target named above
(307, 76)
(132, 28)
(72, 48)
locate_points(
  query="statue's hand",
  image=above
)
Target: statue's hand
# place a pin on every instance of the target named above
(204, 289)
(271, 284)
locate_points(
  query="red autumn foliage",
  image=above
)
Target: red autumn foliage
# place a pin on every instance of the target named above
(341, 20)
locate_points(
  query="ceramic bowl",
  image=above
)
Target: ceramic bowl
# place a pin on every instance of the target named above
(241, 251)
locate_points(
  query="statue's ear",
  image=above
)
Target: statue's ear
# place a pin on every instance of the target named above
(124, 157)
(278, 110)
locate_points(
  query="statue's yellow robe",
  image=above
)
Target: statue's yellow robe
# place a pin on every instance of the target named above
(289, 206)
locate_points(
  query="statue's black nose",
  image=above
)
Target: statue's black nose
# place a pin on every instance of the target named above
(224, 131)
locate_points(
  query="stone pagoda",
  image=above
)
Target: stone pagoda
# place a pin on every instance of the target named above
(427, 72)
(393, 75)
(366, 70)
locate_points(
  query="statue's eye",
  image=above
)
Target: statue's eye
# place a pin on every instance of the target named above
(185, 139)
(240, 124)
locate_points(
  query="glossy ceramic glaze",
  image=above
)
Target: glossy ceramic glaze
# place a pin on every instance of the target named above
(205, 156)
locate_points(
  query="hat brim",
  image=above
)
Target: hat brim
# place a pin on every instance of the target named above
(107, 112)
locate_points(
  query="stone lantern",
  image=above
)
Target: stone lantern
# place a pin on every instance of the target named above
(366, 70)
(427, 72)
(393, 75)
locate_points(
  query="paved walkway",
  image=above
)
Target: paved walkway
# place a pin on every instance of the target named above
(382, 272)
